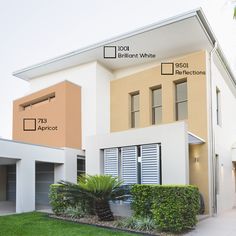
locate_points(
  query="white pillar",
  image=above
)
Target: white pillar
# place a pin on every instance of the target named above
(59, 172)
(68, 170)
(25, 185)
(71, 165)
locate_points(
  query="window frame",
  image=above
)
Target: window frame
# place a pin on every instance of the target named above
(181, 101)
(134, 111)
(38, 102)
(80, 171)
(155, 106)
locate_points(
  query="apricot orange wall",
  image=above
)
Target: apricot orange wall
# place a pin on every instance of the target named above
(64, 112)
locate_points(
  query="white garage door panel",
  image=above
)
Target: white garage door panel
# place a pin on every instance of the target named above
(44, 177)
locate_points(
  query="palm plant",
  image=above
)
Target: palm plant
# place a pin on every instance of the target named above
(100, 188)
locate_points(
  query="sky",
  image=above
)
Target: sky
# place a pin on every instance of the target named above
(36, 30)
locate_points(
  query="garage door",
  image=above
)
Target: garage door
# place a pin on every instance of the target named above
(44, 178)
(11, 183)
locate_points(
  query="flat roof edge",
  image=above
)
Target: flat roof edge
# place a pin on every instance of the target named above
(213, 39)
(143, 29)
(32, 144)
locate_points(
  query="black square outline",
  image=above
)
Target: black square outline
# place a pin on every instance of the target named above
(167, 63)
(25, 119)
(104, 49)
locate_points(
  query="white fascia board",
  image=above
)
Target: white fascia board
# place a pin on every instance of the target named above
(198, 13)
(186, 15)
(213, 40)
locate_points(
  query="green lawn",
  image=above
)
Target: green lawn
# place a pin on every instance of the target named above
(38, 224)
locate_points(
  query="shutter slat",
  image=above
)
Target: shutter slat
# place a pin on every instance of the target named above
(150, 165)
(129, 164)
(111, 162)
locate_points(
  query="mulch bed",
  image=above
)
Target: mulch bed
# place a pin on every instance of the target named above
(93, 220)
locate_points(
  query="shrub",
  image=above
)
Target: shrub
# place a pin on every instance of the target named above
(137, 223)
(173, 208)
(142, 199)
(75, 212)
(58, 201)
(98, 188)
(62, 202)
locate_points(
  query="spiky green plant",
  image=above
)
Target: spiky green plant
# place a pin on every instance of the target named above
(100, 188)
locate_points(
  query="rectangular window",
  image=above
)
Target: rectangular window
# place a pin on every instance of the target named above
(218, 108)
(156, 106)
(135, 110)
(181, 101)
(80, 165)
(39, 101)
(134, 164)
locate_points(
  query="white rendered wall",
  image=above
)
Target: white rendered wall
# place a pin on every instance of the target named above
(174, 149)
(95, 83)
(103, 99)
(225, 135)
(25, 157)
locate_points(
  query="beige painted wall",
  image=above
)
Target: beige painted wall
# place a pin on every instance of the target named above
(3, 183)
(197, 109)
(63, 112)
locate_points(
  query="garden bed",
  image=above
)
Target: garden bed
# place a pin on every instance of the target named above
(93, 220)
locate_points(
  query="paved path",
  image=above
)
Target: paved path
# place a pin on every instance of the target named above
(222, 225)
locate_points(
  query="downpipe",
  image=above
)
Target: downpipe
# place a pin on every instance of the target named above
(212, 139)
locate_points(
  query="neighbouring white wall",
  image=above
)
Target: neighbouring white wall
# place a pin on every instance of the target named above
(225, 135)
(174, 149)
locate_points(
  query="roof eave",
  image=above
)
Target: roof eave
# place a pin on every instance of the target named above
(18, 73)
(196, 12)
(212, 38)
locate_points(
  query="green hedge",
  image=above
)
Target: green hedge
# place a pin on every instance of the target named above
(61, 201)
(58, 201)
(173, 208)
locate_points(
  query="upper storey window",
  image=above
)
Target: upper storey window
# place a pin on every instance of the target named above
(135, 110)
(181, 101)
(156, 106)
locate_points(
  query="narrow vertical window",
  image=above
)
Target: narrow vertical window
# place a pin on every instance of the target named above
(135, 110)
(217, 178)
(181, 101)
(80, 165)
(156, 106)
(218, 108)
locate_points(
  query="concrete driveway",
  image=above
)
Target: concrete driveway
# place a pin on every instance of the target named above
(222, 225)
(7, 208)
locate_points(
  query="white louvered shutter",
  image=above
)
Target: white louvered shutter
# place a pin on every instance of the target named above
(111, 162)
(129, 164)
(150, 165)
